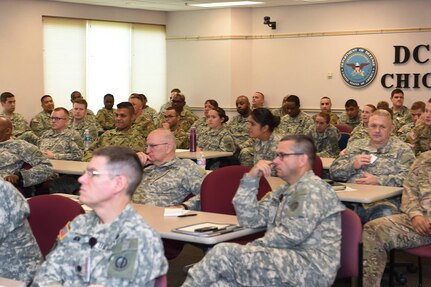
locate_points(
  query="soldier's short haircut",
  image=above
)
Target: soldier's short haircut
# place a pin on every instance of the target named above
(418, 105)
(172, 109)
(123, 161)
(351, 103)
(66, 112)
(4, 96)
(126, 105)
(260, 93)
(373, 107)
(396, 91)
(324, 115)
(175, 90)
(44, 97)
(81, 101)
(382, 113)
(303, 144)
(108, 95)
(294, 99)
(212, 102)
(136, 96)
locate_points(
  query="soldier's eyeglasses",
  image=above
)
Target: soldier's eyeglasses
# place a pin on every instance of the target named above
(282, 155)
(93, 173)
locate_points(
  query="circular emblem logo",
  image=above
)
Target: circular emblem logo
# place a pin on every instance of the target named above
(358, 67)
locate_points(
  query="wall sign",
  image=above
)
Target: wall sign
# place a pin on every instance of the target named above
(358, 67)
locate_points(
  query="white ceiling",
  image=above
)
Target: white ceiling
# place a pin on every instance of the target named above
(182, 5)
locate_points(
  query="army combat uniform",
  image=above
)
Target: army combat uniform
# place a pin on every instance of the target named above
(299, 125)
(64, 144)
(359, 132)
(201, 125)
(396, 231)
(125, 252)
(41, 123)
(143, 126)
(301, 246)
(326, 143)
(420, 137)
(20, 254)
(106, 118)
(170, 183)
(14, 153)
(353, 122)
(20, 128)
(216, 140)
(391, 166)
(238, 128)
(402, 117)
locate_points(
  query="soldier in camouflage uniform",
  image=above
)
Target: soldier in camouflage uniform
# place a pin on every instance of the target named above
(326, 106)
(352, 115)
(420, 136)
(111, 246)
(14, 153)
(148, 111)
(171, 123)
(202, 123)
(42, 122)
(217, 137)
(411, 228)
(325, 136)
(122, 135)
(80, 122)
(296, 122)
(380, 160)
(238, 124)
(106, 116)
(19, 250)
(301, 246)
(168, 180)
(187, 117)
(90, 116)
(361, 130)
(60, 142)
(417, 110)
(401, 114)
(257, 100)
(280, 112)
(21, 129)
(141, 123)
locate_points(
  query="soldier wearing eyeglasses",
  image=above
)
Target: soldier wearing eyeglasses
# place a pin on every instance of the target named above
(301, 246)
(111, 246)
(171, 122)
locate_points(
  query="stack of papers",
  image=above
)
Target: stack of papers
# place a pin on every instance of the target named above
(175, 211)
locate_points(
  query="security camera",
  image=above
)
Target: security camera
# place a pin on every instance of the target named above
(267, 21)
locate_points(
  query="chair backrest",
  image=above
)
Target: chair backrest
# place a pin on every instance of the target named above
(48, 214)
(342, 142)
(318, 166)
(344, 128)
(219, 187)
(161, 281)
(351, 246)
(421, 251)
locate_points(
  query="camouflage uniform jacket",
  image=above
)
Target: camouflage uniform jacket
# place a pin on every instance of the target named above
(127, 252)
(18, 247)
(402, 117)
(201, 125)
(170, 183)
(303, 218)
(127, 138)
(344, 119)
(19, 124)
(326, 143)
(416, 199)
(359, 132)
(14, 153)
(265, 150)
(82, 126)
(238, 128)
(64, 144)
(181, 138)
(420, 136)
(187, 118)
(278, 112)
(391, 166)
(106, 118)
(143, 126)
(404, 131)
(216, 140)
(41, 123)
(300, 125)
(151, 114)
(333, 118)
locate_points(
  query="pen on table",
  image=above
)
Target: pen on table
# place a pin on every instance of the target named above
(187, 215)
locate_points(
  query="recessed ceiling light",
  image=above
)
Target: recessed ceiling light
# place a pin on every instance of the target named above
(225, 4)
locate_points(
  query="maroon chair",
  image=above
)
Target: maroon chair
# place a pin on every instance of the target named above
(219, 187)
(344, 128)
(351, 246)
(48, 215)
(161, 281)
(318, 167)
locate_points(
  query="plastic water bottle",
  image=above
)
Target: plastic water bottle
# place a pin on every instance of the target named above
(192, 139)
(201, 160)
(87, 139)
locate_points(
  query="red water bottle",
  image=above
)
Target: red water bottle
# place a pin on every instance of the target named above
(192, 139)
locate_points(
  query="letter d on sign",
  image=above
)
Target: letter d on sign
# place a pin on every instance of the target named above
(398, 54)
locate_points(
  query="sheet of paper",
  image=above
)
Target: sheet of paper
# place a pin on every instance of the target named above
(193, 227)
(175, 211)
(346, 189)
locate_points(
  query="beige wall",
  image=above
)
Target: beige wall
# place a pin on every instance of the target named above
(21, 43)
(213, 67)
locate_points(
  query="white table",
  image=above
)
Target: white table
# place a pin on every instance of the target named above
(68, 166)
(10, 283)
(153, 216)
(363, 193)
(208, 154)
